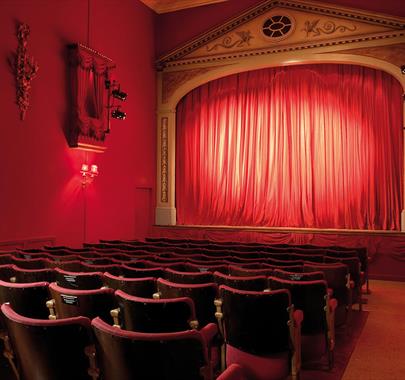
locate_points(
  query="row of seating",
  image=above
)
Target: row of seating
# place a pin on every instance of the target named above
(185, 280)
(148, 315)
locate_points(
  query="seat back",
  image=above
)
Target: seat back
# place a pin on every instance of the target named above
(298, 276)
(142, 287)
(254, 283)
(49, 350)
(256, 322)
(165, 356)
(308, 296)
(88, 303)
(78, 280)
(155, 315)
(203, 296)
(188, 277)
(28, 299)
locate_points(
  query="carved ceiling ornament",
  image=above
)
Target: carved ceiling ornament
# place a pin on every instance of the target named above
(264, 30)
(174, 79)
(317, 27)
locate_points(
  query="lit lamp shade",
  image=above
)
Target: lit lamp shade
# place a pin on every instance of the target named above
(84, 169)
(94, 170)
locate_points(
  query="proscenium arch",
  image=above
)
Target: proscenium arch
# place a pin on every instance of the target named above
(166, 211)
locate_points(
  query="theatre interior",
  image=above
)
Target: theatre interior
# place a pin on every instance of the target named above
(202, 190)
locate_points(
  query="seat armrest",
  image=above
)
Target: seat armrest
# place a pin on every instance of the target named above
(298, 316)
(333, 304)
(209, 332)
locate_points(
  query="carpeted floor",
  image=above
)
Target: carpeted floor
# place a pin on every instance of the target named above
(346, 339)
(380, 350)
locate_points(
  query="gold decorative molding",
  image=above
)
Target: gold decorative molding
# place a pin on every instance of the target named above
(173, 79)
(228, 42)
(165, 6)
(394, 54)
(317, 27)
(164, 159)
(365, 22)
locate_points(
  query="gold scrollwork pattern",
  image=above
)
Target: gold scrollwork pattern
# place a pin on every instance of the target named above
(229, 42)
(314, 28)
(164, 160)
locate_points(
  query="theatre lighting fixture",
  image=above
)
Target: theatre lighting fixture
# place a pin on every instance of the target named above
(88, 172)
(117, 114)
(118, 94)
(115, 93)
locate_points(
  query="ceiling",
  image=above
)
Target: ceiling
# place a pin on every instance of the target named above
(165, 6)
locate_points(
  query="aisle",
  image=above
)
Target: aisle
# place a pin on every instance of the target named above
(380, 350)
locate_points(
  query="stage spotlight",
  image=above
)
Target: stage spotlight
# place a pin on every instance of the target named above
(118, 94)
(403, 69)
(117, 114)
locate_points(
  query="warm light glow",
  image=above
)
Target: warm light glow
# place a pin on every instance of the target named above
(88, 175)
(84, 169)
(94, 170)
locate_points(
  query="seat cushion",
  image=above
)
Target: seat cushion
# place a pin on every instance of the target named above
(271, 367)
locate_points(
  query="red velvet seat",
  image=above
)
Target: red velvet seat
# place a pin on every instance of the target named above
(356, 275)
(49, 350)
(7, 272)
(79, 280)
(33, 275)
(312, 297)
(203, 296)
(338, 279)
(233, 372)
(142, 287)
(262, 332)
(134, 355)
(298, 276)
(28, 299)
(188, 277)
(236, 270)
(253, 283)
(153, 315)
(67, 303)
(133, 272)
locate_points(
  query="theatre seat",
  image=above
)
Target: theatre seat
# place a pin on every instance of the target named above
(338, 278)
(67, 303)
(312, 297)
(233, 372)
(254, 283)
(142, 287)
(79, 280)
(128, 355)
(28, 299)
(298, 276)
(50, 350)
(261, 331)
(188, 277)
(34, 275)
(203, 296)
(154, 315)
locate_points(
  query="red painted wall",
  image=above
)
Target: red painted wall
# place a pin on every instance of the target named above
(40, 186)
(174, 29)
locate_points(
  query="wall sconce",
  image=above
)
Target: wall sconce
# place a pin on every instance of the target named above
(88, 172)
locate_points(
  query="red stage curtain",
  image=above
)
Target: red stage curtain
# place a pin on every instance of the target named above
(302, 146)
